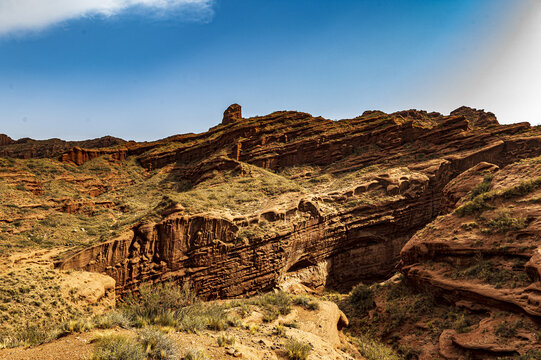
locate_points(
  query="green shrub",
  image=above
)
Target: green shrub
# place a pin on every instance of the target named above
(157, 345)
(362, 298)
(297, 350)
(503, 222)
(483, 187)
(117, 347)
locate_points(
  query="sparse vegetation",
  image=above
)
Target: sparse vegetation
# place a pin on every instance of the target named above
(484, 200)
(117, 347)
(306, 302)
(507, 329)
(482, 187)
(225, 339)
(374, 350)
(195, 355)
(490, 272)
(156, 345)
(362, 298)
(273, 305)
(297, 350)
(504, 222)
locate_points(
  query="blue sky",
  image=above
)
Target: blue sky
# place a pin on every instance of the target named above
(147, 69)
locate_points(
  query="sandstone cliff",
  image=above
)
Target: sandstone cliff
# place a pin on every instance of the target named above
(292, 201)
(330, 235)
(28, 148)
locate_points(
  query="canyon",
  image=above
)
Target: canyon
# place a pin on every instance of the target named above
(299, 203)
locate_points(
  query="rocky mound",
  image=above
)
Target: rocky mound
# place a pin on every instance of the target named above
(485, 257)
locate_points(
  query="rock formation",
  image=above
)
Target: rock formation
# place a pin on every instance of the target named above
(28, 148)
(5, 140)
(476, 117)
(359, 240)
(232, 114)
(303, 203)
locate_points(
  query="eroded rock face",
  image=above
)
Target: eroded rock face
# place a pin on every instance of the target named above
(232, 114)
(318, 249)
(5, 140)
(485, 257)
(476, 117)
(79, 156)
(28, 148)
(460, 186)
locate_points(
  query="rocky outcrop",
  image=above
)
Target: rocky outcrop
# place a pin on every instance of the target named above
(232, 114)
(460, 186)
(5, 140)
(476, 117)
(79, 156)
(360, 242)
(28, 148)
(485, 256)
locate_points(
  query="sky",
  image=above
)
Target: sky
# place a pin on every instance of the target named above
(148, 69)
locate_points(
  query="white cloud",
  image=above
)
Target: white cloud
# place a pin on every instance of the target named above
(24, 15)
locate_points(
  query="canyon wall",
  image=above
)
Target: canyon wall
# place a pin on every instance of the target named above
(362, 242)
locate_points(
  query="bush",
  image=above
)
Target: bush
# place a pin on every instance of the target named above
(483, 187)
(503, 222)
(73, 326)
(273, 305)
(508, 330)
(297, 350)
(29, 335)
(306, 302)
(157, 345)
(280, 330)
(117, 347)
(374, 350)
(111, 320)
(195, 355)
(225, 339)
(362, 298)
(155, 301)
(279, 300)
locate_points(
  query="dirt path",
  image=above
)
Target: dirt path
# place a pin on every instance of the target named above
(73, 347)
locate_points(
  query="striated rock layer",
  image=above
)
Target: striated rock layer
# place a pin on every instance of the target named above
(28, 148)
(372, 216)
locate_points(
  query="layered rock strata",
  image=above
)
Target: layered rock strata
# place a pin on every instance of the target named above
(359, 241)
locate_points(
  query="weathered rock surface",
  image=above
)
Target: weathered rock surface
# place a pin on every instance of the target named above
(486, 253)
(28, 148)
(460, 186)
(301, 203)
(232, 114)
(476, 117)
(5, 140)
(358, 241)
